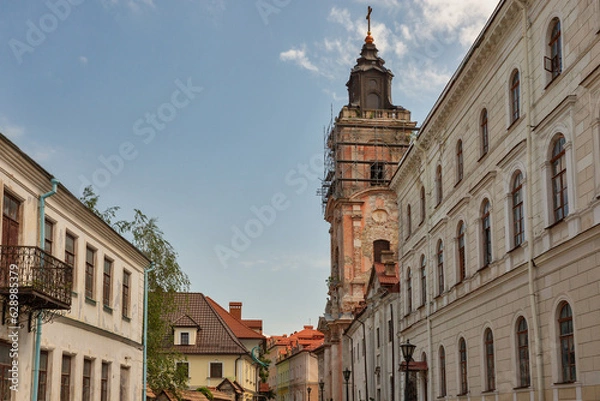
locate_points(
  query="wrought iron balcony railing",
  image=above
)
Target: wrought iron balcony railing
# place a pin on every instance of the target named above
(41, 280)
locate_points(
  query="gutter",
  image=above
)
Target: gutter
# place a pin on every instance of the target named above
(539, 368)
(145, 364)
(38, 329)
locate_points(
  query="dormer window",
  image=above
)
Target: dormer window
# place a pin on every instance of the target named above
(184, 338)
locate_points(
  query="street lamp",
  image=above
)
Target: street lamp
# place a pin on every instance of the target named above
(321, 386)
(407, 352)
(309, 390)
(346, 378)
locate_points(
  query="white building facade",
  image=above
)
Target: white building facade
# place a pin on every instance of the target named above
(87, 280)
(500, 268)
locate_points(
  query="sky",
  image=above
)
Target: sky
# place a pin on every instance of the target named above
(210, 115)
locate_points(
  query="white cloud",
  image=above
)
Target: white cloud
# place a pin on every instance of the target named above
(10, 130)
(298, 56)
(83, 60)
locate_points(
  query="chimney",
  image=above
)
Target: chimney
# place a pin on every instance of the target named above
(387, 258)
(235, 309)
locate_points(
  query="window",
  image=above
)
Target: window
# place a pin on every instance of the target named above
(490, 372)
(184, 338)
(377, 173)
(408, 291)
(5, 375)
(65, 378)
(558, 165)
(48, 236)
(459, 161)
(87, 380)
(442, 372)
(408, 221)
(104, 381)
(517, 207)
(438, 185)
(43, 376)
(423, 210)
(390, 328)
(378, 246)
(440, 266)
(523, 352)
(423, 281)
(183, 369)
(483, 130)
(70, 249)
(378, 339)
(553, 64)
(515, 96)
(460, 246)
(90, 259)
(107, 282)
(125, 293)
(216, 370)
(486, 235)
(10, 220)
(124, 384)
(462, 351)
(567, 344)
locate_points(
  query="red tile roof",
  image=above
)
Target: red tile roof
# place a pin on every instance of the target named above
(241, 330)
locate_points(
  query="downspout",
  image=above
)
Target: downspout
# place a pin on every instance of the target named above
(393, 395)
(530, 264)
(38, 329)
(429, 270)
(353, 357)
(365, 351)
(145, 365)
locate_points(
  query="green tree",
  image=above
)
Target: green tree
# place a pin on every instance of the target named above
(164, 281)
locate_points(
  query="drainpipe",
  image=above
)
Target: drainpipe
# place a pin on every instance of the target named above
(38, 329)
(365, 360)
(430, 274)
(145, 367)
(530, 264)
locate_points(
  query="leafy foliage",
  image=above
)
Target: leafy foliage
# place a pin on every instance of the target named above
(206, 391)
(164, 281)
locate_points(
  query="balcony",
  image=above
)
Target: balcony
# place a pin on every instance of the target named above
(43, 282)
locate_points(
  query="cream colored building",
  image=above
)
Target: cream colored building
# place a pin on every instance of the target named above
(216, 345)
(508, 161)
(91, 339)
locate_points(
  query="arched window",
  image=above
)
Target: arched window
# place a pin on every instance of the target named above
(408, 221)
(423, 211)
(515, 96)
(379, 245)
(558, 165)
(523, 352)
(460, 248)
(443, 387)
(490, 372)
(408, 291)
(486, 233)
(462, 359)
(459, 161)
(440, 266)
(553, 64)
(438, 185)
(483, 130)
(377, 173)
(567, 343)
(423, 280)
(517, 208)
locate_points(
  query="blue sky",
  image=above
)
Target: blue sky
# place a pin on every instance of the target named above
(209, 115)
